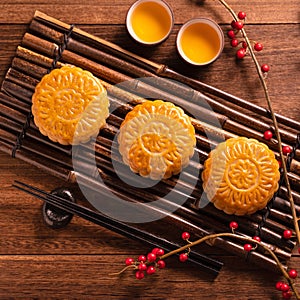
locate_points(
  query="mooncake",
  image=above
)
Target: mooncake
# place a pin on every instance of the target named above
(240, 176)
(156, 139)
(70, 105)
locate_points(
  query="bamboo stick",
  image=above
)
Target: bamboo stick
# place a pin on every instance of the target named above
(14, 115)
(36, 161)
(283, 193)
(14, 90)
(12, 126)
(36, 58)
(14, 103)
(32, 69)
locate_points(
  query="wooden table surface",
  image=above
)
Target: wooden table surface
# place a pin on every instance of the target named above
(74, 262)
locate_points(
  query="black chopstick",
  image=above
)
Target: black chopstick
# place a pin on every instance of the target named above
(206, 263)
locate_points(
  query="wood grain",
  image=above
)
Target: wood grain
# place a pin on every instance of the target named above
(38, 262)
(114, 12)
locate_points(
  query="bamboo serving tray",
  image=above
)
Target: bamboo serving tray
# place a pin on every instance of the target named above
(50, 43)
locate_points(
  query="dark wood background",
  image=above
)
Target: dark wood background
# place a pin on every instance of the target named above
(74, 262)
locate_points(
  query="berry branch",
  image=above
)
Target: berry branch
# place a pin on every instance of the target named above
(155, 259)
(261, 70)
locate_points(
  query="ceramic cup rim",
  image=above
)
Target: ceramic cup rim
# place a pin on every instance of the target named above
(217, 29)
(130, 30)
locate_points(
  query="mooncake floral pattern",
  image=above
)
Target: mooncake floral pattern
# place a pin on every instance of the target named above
(70, 105)
(156, 139)
(240, 176)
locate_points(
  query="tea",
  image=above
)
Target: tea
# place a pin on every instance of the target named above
(199, 42)
(151, 21)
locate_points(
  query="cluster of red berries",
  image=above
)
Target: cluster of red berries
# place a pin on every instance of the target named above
(152, 261)
(147, 264)
(284, 287)
(280, 286)
(241, 52)
(247, 247)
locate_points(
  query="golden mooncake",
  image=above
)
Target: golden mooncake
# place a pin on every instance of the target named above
(156, 139)
(240, 176)
(70, 105)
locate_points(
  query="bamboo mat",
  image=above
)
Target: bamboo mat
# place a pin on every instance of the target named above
(50, 43)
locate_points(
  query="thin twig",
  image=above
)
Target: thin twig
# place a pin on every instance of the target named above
(276, 128)
(241, 238)
(123, 270)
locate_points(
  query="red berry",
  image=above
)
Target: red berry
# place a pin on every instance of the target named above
(248, 247)
(268, 135)
(161, 264)
(299, 250)
(279, 285)
(238, 25)
(287, 295)
(151, 257)
(286, 150)
(129, 261)
(233, 225)
(265, 68)
(241, 53)
(154, 250)
(285, 287)
(231, 34)
(257, 238)
(241, 15)
(185, 236)
(258, 46)
(183, 257)
(139, 275)
(279, 165)
(160, 252)
(293, 273)
(234, 42)
(142, 258)
(150, 270)
(142, 267)
(233, 24)
(244, 45)
(287, 234)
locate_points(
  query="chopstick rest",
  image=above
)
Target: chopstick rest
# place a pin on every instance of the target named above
(55, 217)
